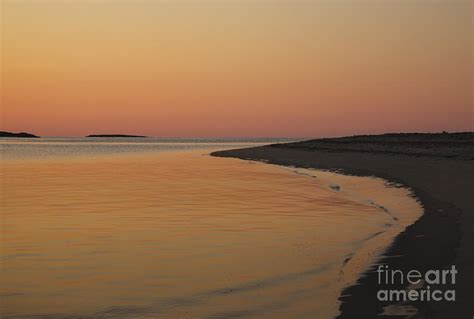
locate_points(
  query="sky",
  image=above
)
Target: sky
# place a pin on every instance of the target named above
(236, 68)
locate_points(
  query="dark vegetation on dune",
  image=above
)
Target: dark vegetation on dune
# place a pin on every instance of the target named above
(446, 145)
(22, 134)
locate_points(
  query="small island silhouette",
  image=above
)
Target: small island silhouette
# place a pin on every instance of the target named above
(22, 134)
(114, 135)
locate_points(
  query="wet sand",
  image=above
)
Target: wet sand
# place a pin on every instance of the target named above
(439, 170)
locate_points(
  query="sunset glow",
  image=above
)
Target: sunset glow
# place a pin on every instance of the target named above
(236, 68)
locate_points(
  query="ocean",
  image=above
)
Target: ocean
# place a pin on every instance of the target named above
(158, 228)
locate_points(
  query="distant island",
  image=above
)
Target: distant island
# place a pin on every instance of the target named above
(22, 134)
(114, 135)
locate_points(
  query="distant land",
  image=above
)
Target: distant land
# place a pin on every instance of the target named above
(22, 134)
(447, 145)
(114, 135)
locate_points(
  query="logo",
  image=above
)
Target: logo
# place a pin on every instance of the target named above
(419, 284)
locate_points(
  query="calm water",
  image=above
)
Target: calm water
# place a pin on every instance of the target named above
(160, 229)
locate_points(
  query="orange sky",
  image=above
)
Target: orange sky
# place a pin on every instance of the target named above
(236, 67)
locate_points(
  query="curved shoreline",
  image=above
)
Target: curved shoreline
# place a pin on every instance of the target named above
(399, 204)
(440, 238)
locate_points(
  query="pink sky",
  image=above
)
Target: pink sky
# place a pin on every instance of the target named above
(215, 69)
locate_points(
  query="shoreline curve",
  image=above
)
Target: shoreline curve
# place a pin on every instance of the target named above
(441, 237)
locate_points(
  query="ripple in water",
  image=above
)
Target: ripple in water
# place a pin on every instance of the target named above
(185, 235)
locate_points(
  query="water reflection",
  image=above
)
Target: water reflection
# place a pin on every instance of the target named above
(178, 234)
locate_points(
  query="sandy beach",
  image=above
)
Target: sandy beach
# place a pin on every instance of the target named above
(438, 169)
